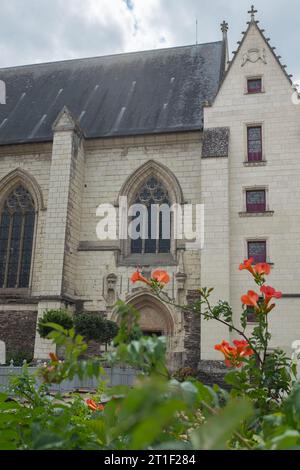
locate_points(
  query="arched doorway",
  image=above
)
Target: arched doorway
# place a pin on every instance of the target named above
(155, 318)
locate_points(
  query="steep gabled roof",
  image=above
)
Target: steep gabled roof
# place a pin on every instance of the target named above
(255, 23)
(126, 94)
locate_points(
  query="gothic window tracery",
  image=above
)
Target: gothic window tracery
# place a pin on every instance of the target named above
(17, 222)
(150, 194)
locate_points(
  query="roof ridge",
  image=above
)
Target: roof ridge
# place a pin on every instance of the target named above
(146, 51)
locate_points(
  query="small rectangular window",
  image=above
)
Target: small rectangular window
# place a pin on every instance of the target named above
(258, 251)
(254, 141)
(256, 200)
(254, 85)
(251, 315)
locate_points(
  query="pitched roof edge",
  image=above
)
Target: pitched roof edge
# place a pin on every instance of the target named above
(235, 54)
(146, 51)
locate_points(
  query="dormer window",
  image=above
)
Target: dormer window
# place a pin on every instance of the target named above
(254, 85)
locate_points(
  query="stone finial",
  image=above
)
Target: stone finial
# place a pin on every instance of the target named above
(252, 13)
(180, 275)
(180, 280)
(224, 27)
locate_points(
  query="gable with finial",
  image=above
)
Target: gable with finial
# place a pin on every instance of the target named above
(255, 51)
(253, 55)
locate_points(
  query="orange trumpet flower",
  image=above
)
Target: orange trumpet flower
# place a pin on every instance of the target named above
(250, 299)
(137, 276)
(269, 294)
(262, 269)
(247, 264)
(53, 357)
(94, 406)
(161, 276)
(234, 354)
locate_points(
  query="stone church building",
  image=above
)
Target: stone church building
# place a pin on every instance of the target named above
(185, 122)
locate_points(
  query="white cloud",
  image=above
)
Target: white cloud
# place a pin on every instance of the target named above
(40, 30)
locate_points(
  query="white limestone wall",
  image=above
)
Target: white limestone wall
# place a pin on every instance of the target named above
(108, 164)
(215, 254)
(280, 175)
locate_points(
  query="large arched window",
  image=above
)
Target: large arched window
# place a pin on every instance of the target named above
(153, 195)
(17, 222)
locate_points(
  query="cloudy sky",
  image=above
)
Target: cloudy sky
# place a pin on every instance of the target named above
(45, 30)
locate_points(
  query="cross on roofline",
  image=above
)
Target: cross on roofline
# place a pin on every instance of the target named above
(252, 13)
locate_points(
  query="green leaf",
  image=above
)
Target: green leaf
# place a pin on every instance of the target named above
(286, 441)
(149, 430)
(218, 430)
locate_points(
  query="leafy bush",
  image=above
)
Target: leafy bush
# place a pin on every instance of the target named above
(95, 328)
(185, 373)
(19, 356)
(265, 377)
(129, 329)
(59, 317)
(261, 411)
(111, 330)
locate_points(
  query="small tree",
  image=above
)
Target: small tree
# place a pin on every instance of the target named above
(95, 328)
(59, 317)
(111, 330)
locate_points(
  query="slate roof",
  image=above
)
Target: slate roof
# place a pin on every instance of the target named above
(126, 94)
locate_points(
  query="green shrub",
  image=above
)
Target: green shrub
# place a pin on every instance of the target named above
(111, 330)
(19, 356)
(89, 326)
(185, 373)
(59, 317)
(95, 328)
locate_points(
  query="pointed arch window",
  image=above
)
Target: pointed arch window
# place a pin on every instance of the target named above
(153, 193)
(17, 222)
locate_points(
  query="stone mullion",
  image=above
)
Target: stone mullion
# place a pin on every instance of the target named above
(21, 245)
(8, 249)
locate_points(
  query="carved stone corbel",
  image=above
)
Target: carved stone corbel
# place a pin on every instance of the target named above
(111, 285)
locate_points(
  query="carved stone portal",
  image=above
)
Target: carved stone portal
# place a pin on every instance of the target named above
(155, 316)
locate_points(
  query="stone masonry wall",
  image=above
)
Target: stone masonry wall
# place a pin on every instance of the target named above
(279, 175)
(17, 330)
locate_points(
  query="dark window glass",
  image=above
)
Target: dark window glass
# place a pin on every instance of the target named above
(256, 200)
(17, 220)
(255, 85)
(251, 315)
(258, 251)
(150, 194)
(250, 312)
(254, 144)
